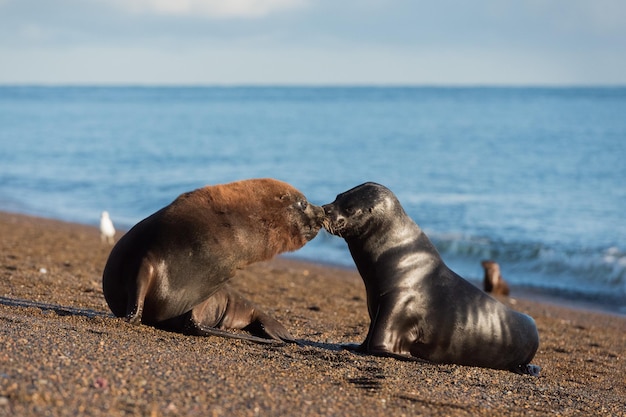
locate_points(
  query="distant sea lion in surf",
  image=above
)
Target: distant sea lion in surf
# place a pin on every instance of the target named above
(419, 307)
(493, 282)
(171, 269)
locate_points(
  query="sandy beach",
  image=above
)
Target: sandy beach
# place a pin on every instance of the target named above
(64, 354)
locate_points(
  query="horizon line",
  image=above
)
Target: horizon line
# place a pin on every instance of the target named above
(306, 85)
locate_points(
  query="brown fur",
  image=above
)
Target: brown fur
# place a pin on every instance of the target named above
(166, 269)
(256, 206)
(493, 282)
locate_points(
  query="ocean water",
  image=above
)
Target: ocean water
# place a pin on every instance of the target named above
(534, 178)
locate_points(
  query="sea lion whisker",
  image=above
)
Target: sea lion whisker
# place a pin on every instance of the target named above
(327, 224)
(330, 228)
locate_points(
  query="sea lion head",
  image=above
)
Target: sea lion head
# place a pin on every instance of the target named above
(264, 215)
(491, 266)
(493, 281)
(293, 219)
(366, 207)
(306, 218)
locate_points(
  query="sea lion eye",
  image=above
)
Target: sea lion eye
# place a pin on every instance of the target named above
(303, 205)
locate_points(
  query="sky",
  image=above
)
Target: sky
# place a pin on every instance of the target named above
(313, 42)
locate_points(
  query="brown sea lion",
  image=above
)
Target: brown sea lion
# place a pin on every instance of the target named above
(419, 307)
(171, 269)
(493, 282)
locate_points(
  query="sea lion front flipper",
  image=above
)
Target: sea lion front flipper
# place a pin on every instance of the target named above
(136, 298)
(387, 335)
(353, 347)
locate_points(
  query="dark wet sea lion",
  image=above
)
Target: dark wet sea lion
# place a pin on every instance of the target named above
(419, 307)
(493, 282)
(171, 269)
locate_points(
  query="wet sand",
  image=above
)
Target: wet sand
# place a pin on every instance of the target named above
(63, 354)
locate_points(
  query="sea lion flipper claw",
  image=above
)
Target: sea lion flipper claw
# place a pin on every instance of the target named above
(134, 317)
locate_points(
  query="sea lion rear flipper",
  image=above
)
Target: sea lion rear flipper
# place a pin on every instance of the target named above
(227, 309)
(200, 330)
(242, 313)
(265, 325)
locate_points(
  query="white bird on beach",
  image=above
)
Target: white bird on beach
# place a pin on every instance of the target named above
(107, 231)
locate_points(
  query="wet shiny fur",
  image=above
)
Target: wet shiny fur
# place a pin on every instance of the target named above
(419, 307)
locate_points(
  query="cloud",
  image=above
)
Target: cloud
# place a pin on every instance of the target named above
(216, 9)
(313, 41)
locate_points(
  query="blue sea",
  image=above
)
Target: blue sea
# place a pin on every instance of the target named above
(534, 178)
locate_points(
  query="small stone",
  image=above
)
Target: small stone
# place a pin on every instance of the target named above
(100, 383)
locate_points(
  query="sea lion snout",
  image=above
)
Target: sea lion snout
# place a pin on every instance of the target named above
(319, 213)
(317, 219)
(333, 221)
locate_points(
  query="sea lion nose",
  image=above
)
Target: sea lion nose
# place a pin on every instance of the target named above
(328, 209)
(319, 212)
